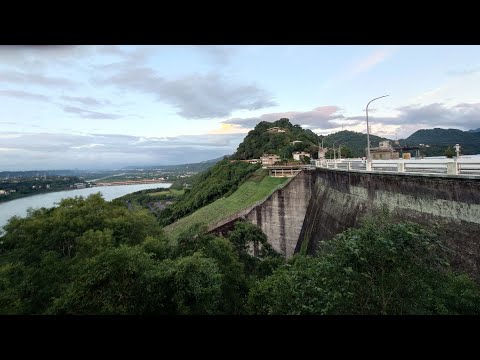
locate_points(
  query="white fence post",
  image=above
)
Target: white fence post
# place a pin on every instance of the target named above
(368, 165)
(452, 168)
(401, 166)
(349, 166)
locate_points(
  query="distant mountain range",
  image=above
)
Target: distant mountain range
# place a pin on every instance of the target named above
(439, 139)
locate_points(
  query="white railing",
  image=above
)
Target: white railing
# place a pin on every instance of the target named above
(424, 166)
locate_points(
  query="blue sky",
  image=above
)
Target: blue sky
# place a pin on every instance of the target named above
(112, 106)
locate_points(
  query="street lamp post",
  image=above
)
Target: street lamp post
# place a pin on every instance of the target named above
(334, 157)
(369, 160)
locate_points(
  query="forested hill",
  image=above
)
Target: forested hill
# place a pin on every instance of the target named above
(439, 139)
(357, 142)
(259, 141)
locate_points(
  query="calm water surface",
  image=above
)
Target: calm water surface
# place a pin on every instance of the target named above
(19, 207)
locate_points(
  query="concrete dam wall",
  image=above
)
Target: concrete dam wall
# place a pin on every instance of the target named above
(318, 204)
(280, 216)
(449, 205)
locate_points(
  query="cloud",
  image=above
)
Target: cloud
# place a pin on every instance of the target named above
(19, 94)
(219, 53)
(375, 58)
(18, 77)
(328, 119)
(320, 117)
(40, 56)
(229, 129)
(195, 96)
(85, 100)
(463, 72)
(48, 150)
(89, 114)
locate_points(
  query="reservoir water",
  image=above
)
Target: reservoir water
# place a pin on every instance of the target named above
(19, 207)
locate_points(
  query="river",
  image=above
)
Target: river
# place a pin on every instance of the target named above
(19, 207)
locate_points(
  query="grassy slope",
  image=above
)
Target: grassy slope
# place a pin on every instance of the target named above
(247, 194)
(170, 192)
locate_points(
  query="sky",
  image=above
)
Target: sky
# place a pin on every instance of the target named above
(110, 106)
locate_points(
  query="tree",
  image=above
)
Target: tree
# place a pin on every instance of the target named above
(382, 267)
(124, 280)
(253, 249)
(449, 153)
(198, 284)
(346, 152)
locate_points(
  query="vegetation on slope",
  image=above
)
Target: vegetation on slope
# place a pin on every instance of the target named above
(380, 268)
(259, 141)
(220, 180)
(439, 139)
(355, 141)
(257, 187)
(144, 197)
(89, 256)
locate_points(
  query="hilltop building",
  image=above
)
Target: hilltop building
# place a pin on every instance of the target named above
(269, 159)
(321, 153)
(299, 155)
(384, 151)
(276, 129)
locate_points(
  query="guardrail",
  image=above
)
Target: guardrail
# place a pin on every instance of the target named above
(401, 166)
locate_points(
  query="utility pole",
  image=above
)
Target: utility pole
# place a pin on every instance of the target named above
(369, 160)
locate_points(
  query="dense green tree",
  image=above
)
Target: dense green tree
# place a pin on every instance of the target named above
(449, 152)
(234, 283)
(380, 268)
(345, 152)
(123, 280)
(253, 249)
(197, 282)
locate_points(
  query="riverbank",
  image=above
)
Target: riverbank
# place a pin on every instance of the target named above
(17, 196)
(18, 207)
(131, 182)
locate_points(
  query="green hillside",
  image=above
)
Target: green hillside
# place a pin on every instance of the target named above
(219, 180)
(439, 139)
(260, 141)
(254, 189)
(356, 141)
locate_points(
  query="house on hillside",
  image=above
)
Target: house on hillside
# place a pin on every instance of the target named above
(276, 129)
(250, 161)
(3, 192)
(299, 155)
(384, 151)
(322, 152)
(268, 159)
